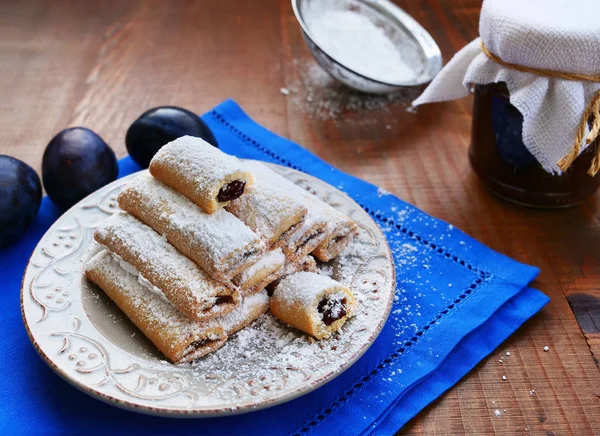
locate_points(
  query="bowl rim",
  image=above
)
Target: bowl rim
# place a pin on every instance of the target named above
(420, 35)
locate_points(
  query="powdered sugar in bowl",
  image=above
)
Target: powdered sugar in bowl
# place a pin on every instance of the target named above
(369, 45)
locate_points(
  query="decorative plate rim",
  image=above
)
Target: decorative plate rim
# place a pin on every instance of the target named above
(206, 412)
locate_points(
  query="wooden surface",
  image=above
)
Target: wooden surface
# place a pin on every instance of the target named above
(102, 63)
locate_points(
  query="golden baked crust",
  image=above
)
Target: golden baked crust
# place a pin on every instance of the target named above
(297, 298)
(219, 243)
(262, 273)
(179, 338)
(187, 286)
(198, 170)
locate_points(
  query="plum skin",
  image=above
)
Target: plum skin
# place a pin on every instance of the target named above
(159, 126)
(76, 163)
(20, 198)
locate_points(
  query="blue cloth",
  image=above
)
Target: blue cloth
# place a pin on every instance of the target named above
(457, 301)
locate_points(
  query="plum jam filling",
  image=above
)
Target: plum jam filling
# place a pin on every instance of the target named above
(196, 345)
(332, 308)
(224, 300)
(231, 191)
(310, 238)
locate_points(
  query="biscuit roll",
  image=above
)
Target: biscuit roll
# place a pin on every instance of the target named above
(313, 303)
(261, 273)
(269, 211)
(179, 338)
(219, 243)
(307, 263)
(201, 172)
(339, 230)
(185, 284)
(252, 307)
(307, 237)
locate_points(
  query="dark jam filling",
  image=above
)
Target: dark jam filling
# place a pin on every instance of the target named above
(231, 191)
(331, 310)
(251, 253)
(307, 240)
(224, 300)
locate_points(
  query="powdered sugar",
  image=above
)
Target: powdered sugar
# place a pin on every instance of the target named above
(338, 224)
(305, 288)
(269, 263)
(219, 242)
(358, 43)
(267, 210)
(255, 303)
(178, 277)
(204, 165)
(323, 98)
(167, 327)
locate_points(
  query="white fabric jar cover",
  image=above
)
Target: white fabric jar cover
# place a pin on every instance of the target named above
(555, 35)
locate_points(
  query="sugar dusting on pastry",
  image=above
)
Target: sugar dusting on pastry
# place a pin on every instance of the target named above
(184, 283)
(201, 172)
(268, 210)
(339, 226)
(177, 336)
(218, 242)
(252, 306)
(195, 156)
(270, 262)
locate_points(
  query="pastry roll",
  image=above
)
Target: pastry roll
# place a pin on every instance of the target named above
(313, 303)
(201, 172)
(179, 338)
(266, 209)
(261, 273)
(339, 230)
(188, 287)
(307, 263)
(219, 243)
(252, 307)
(307, 237)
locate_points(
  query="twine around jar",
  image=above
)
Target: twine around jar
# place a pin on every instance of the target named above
(590, 115)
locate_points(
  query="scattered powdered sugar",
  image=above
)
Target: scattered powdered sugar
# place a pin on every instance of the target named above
(356, 42)
(323, 98)
(382, 192)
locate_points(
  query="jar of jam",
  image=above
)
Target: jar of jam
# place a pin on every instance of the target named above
(508, 169)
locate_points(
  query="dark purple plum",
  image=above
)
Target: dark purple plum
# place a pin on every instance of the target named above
(20, 198)
(76, 163)
(159, 126)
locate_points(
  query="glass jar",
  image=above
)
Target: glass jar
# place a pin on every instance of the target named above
(508, 169)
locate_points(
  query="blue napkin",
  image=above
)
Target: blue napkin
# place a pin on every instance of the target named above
(456, 301)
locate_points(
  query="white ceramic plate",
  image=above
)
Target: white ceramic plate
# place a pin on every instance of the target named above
(87, 340)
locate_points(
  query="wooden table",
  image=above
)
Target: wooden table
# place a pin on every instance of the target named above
(100, 64)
